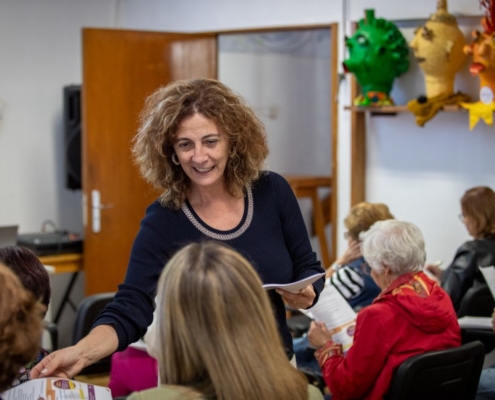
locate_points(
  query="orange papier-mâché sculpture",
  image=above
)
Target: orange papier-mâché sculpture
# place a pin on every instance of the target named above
(482, 51)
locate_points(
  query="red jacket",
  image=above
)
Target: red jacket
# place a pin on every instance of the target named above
(412, 316)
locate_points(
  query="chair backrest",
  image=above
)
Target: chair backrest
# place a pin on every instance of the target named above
(451, 374)
(87, 311)
(477, 302)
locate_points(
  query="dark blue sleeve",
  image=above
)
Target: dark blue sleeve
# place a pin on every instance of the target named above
(296, 235)
(131, 312)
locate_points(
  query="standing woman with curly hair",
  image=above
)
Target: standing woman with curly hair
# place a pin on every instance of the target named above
(204, 148)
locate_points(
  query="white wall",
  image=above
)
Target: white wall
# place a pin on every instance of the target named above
(40, 44)
(418, 9)
(214, 15)
(290, 93)
(40, 47)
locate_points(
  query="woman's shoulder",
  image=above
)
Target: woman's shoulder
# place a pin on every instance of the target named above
(158, 207)
(272, 180)
(477, 245)
(167, 392)
(156, 212)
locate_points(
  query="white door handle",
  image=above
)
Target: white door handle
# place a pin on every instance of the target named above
(96, 208)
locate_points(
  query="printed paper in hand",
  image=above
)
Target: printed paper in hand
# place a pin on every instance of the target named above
(489, 275)
(294, 287)
(336, 313)
(56, 389)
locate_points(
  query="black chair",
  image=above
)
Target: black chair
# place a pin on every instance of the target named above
(478, 302)
(87, 311)
(451, 374)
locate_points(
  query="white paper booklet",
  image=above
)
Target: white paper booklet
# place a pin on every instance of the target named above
(294, 287)
(56, 389)
(475, 322)
(489, 275)
(336, 313)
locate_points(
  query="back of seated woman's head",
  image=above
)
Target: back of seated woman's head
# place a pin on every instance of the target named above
(29, 269)
(21, 317)
(363, 215)
(399, 245)
(478, 203)
(217, 330)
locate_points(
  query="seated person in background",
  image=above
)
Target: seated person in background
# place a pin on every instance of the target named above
(21, 326)
(486, 386)
(347, 274)
(478, 215)
(34, 277)
(215, 335)
(412, 315)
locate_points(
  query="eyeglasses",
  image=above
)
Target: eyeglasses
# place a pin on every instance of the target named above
(346, 235)
(461, 217)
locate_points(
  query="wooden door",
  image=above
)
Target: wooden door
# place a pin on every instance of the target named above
(120, 69)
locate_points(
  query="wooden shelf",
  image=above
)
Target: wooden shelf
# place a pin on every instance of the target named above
(396, 109)
(63, 263)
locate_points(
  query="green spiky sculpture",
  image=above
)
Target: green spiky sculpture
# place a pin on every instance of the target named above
(378, 53)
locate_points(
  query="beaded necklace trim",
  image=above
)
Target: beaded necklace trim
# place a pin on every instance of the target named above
(222, 236)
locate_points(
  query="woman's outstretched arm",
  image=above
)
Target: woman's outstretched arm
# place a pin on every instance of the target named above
(67, 363)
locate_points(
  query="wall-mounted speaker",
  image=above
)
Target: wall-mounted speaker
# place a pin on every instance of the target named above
(72, 127)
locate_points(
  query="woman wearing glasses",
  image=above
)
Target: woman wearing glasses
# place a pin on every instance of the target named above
(478, 215)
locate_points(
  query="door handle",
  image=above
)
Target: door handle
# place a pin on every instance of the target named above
(96, 208)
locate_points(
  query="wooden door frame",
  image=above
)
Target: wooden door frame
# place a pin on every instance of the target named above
(333, 111)
(358, 150)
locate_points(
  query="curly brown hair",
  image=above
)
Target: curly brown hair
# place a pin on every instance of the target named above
(363, 215)
(21, 317)
(161, 117)
(478, 203)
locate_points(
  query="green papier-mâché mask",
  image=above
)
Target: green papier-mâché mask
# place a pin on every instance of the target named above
(378, 53)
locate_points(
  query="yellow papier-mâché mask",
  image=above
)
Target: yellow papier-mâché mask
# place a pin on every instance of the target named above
(438, 49)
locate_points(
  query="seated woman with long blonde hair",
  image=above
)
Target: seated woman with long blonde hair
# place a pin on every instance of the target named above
(215, 335)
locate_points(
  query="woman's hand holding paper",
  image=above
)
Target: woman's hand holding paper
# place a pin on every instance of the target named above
(303, 299)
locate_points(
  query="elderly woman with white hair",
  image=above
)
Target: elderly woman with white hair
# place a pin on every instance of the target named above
(411, 315)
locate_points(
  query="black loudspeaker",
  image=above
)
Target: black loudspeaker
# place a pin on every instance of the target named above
(72, 127)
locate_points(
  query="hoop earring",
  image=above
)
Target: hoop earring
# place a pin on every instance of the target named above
(175, 160)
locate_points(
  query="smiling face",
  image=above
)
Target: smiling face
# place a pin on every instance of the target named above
(202, 150)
